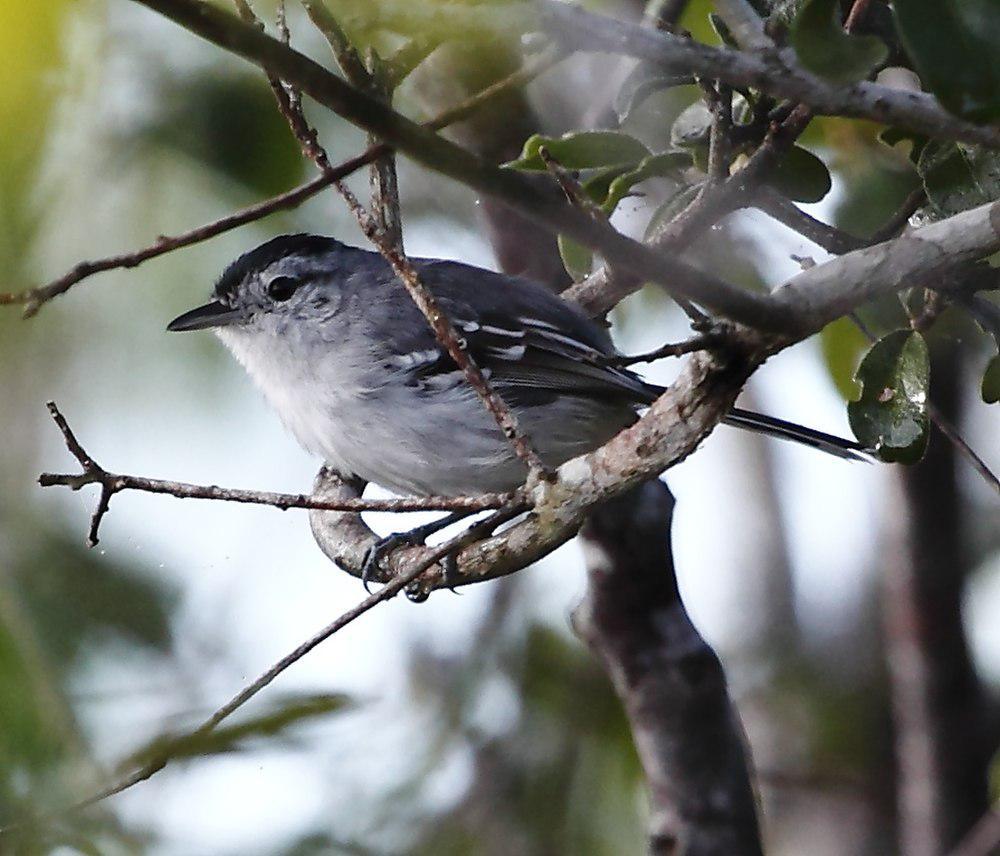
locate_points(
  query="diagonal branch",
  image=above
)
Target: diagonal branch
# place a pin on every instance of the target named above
(400, 583)
(34, 298)
(373, 77)
(703, 393)
(833, 289)
(537, 200)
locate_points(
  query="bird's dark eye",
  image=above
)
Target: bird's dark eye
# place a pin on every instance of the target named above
(282, 287)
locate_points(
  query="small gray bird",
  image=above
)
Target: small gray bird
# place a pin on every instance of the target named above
(352, 368)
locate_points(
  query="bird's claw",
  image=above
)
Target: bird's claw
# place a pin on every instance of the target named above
(381, 549)
(412, 538)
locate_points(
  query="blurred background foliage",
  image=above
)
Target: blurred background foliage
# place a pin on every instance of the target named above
(469, 725)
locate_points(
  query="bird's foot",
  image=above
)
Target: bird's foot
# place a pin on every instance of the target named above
(381, 549)
(411, 538)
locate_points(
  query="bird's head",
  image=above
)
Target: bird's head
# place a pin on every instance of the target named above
(287, 282)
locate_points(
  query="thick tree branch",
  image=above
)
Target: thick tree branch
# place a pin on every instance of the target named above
(777, 73)
(687, 734)
(671, 429)
(690, 409)
(830, 290)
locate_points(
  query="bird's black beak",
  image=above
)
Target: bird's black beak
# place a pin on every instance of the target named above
(212, 314)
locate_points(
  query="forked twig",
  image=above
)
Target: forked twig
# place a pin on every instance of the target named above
(111, 483)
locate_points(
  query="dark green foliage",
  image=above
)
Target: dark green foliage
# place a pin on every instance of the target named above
(823, 47)
(954, 50)
(958, 177)
(801, 176)
(991, 381)
(891, 414)
(229, 124)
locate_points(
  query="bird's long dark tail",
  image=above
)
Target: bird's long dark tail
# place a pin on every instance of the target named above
(773, 427)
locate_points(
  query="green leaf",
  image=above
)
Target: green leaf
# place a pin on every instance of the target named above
(663, 164)
(825, 49)
(842, 345)
(801, 176)
(643, 81)
(892, 137)
(693, 127)
(230, 737)
(958, 176)
(671, 208)
(991, 381)
(581, 150)
(954, 48)
(576, 258)
(891, 414)
(598, 182)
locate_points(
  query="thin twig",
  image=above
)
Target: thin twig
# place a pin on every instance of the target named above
(112, 483)
(451, 341)
(897, 222)
(570, 185)
(340, 44)
(34, 298)
(955, 437)
(368, 75)
(720, 103)
(779, 207)
(701, 342)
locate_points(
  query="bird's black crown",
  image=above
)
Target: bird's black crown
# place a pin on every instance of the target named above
(268, 253)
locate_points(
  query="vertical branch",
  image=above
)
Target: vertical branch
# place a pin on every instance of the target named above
(370, 75)
(941, 747)
(687, 734)
(384, 183)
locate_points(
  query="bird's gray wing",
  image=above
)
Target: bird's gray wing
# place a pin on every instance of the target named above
(533, 346)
